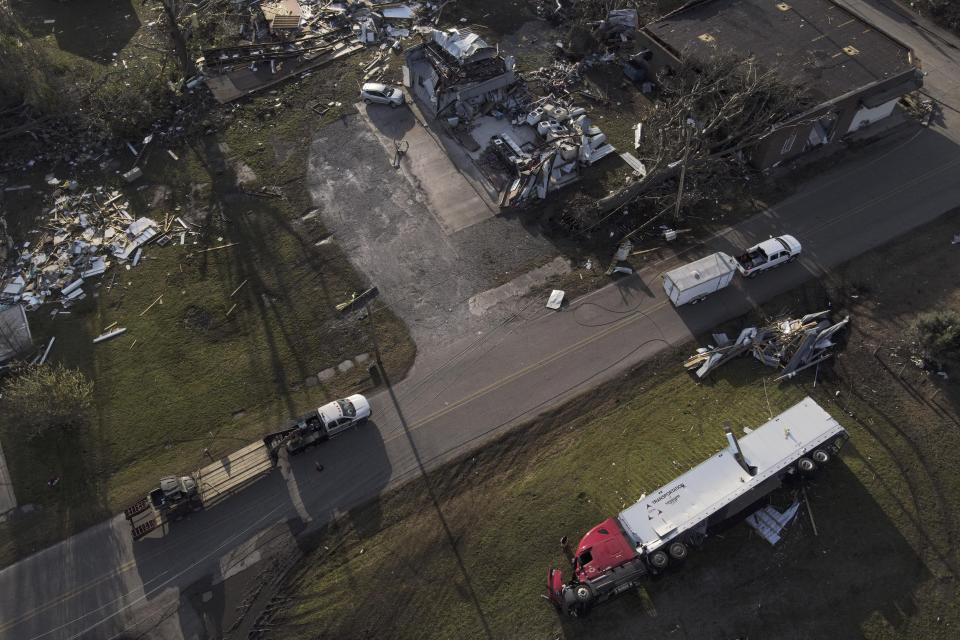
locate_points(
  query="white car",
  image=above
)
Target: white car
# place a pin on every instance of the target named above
(377, 93)
(345, 413)
(767, 255)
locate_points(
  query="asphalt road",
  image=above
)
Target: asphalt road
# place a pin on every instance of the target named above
(99, 584)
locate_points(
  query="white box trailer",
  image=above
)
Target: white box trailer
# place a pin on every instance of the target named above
(695, 281)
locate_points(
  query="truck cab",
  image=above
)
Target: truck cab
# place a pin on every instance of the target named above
(605, 564)
(767, 255)
(327, 421)
(174, 495)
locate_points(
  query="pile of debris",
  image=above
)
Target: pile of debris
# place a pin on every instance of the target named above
(788, 345)
(83, 235)
(284, 38)
(570, 140)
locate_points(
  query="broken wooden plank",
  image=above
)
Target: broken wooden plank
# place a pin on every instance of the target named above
(222, 246)
(46, 352)
(238, 289)
(110, 334)
(150, 306)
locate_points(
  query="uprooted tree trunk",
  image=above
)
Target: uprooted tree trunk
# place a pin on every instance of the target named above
(707, 113)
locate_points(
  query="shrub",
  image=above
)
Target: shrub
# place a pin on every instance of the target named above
(938, 333)
(46, 400)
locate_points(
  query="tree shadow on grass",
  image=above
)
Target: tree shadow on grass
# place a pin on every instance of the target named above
(282, 268)
(92, 29)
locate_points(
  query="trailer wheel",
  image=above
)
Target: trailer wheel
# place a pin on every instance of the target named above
(659, 560)
(821, 457)
(806, 465)
(677, 550)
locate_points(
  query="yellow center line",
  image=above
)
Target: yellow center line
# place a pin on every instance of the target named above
(616, 326)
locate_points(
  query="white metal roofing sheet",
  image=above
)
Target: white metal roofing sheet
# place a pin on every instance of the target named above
(689, 499)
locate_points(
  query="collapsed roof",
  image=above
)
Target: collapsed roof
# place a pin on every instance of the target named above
(464, 45)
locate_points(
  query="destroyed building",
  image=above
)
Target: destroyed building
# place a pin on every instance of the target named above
(455, 73)
(855, 72)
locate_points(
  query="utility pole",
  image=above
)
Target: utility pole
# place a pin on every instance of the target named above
(683, 170)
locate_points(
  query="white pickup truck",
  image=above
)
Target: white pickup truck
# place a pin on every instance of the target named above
(767, 255)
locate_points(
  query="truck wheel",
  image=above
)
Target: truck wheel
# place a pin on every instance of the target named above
(821, 457)
(677, 550)
(659, 560)
(806, 465)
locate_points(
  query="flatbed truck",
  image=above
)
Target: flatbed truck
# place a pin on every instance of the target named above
(177, 497)
(658, 531)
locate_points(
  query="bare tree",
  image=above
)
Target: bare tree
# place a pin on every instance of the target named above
(707, 115)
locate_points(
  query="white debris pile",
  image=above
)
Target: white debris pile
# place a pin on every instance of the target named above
(81, 237)
(571, 140)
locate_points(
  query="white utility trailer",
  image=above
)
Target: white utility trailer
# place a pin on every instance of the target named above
(695, 281)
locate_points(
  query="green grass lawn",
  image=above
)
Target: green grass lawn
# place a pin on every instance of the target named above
(464, 553)
(196, 372)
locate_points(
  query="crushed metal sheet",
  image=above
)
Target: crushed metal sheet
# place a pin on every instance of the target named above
(790, 345)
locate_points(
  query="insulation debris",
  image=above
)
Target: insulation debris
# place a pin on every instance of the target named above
(787, 345)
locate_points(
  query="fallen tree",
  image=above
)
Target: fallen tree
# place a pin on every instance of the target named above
(707, 115)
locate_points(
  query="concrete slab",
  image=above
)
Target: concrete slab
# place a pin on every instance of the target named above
(519, 286)
(452, 199)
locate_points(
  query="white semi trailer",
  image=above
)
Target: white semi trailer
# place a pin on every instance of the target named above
(658, 531)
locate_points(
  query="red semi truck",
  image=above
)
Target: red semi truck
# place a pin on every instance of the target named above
(659, 530)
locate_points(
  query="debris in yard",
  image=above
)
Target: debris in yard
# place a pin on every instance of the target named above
(80, 237)
(769, 522)
(150, 306)
(284, 39)
(238, 288)
(556, 299)
(46, 352)
(788, 345)
(110, 334)
(133, 175)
